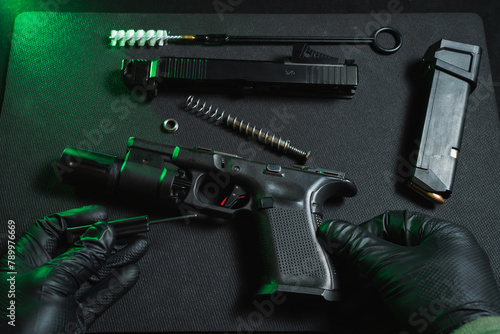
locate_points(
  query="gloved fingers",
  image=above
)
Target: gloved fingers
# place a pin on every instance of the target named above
(68, 271)
(86, 215)
(101, 296)
(411, 229)
(399, 227)
(38, 244)
(357, 245)
(129, 254)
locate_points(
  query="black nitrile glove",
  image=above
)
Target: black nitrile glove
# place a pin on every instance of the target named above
(65, 293)
(432, 274)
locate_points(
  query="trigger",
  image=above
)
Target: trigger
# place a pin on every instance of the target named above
(237, 194)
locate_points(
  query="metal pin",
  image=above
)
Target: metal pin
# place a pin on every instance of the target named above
(194, 215)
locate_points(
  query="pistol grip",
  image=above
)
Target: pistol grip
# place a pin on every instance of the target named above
(294, 261)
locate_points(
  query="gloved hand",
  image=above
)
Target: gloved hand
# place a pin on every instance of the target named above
(65, 293)
(432, 274)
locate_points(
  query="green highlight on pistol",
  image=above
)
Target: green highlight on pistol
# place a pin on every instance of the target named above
(152, 70)
(175, 154)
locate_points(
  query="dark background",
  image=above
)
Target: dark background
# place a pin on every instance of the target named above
(367, 150)
(487, 10)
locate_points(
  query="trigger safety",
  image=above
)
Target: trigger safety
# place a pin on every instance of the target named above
(237, 194)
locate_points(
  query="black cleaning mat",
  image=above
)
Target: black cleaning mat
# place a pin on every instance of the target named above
(64, 88)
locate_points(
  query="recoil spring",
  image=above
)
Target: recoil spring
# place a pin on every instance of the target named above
(213, 114)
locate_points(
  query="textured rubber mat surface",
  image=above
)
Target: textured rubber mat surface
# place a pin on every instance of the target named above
(64, 88)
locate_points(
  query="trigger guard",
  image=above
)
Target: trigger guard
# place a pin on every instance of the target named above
(340, 188)
(193, 203)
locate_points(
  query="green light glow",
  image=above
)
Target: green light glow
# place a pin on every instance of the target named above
(125, 162)
(152, 72)
(175, 67)
(268, 288)
(175, 154)
(162, 176)
(130, 141)
(42, 272)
